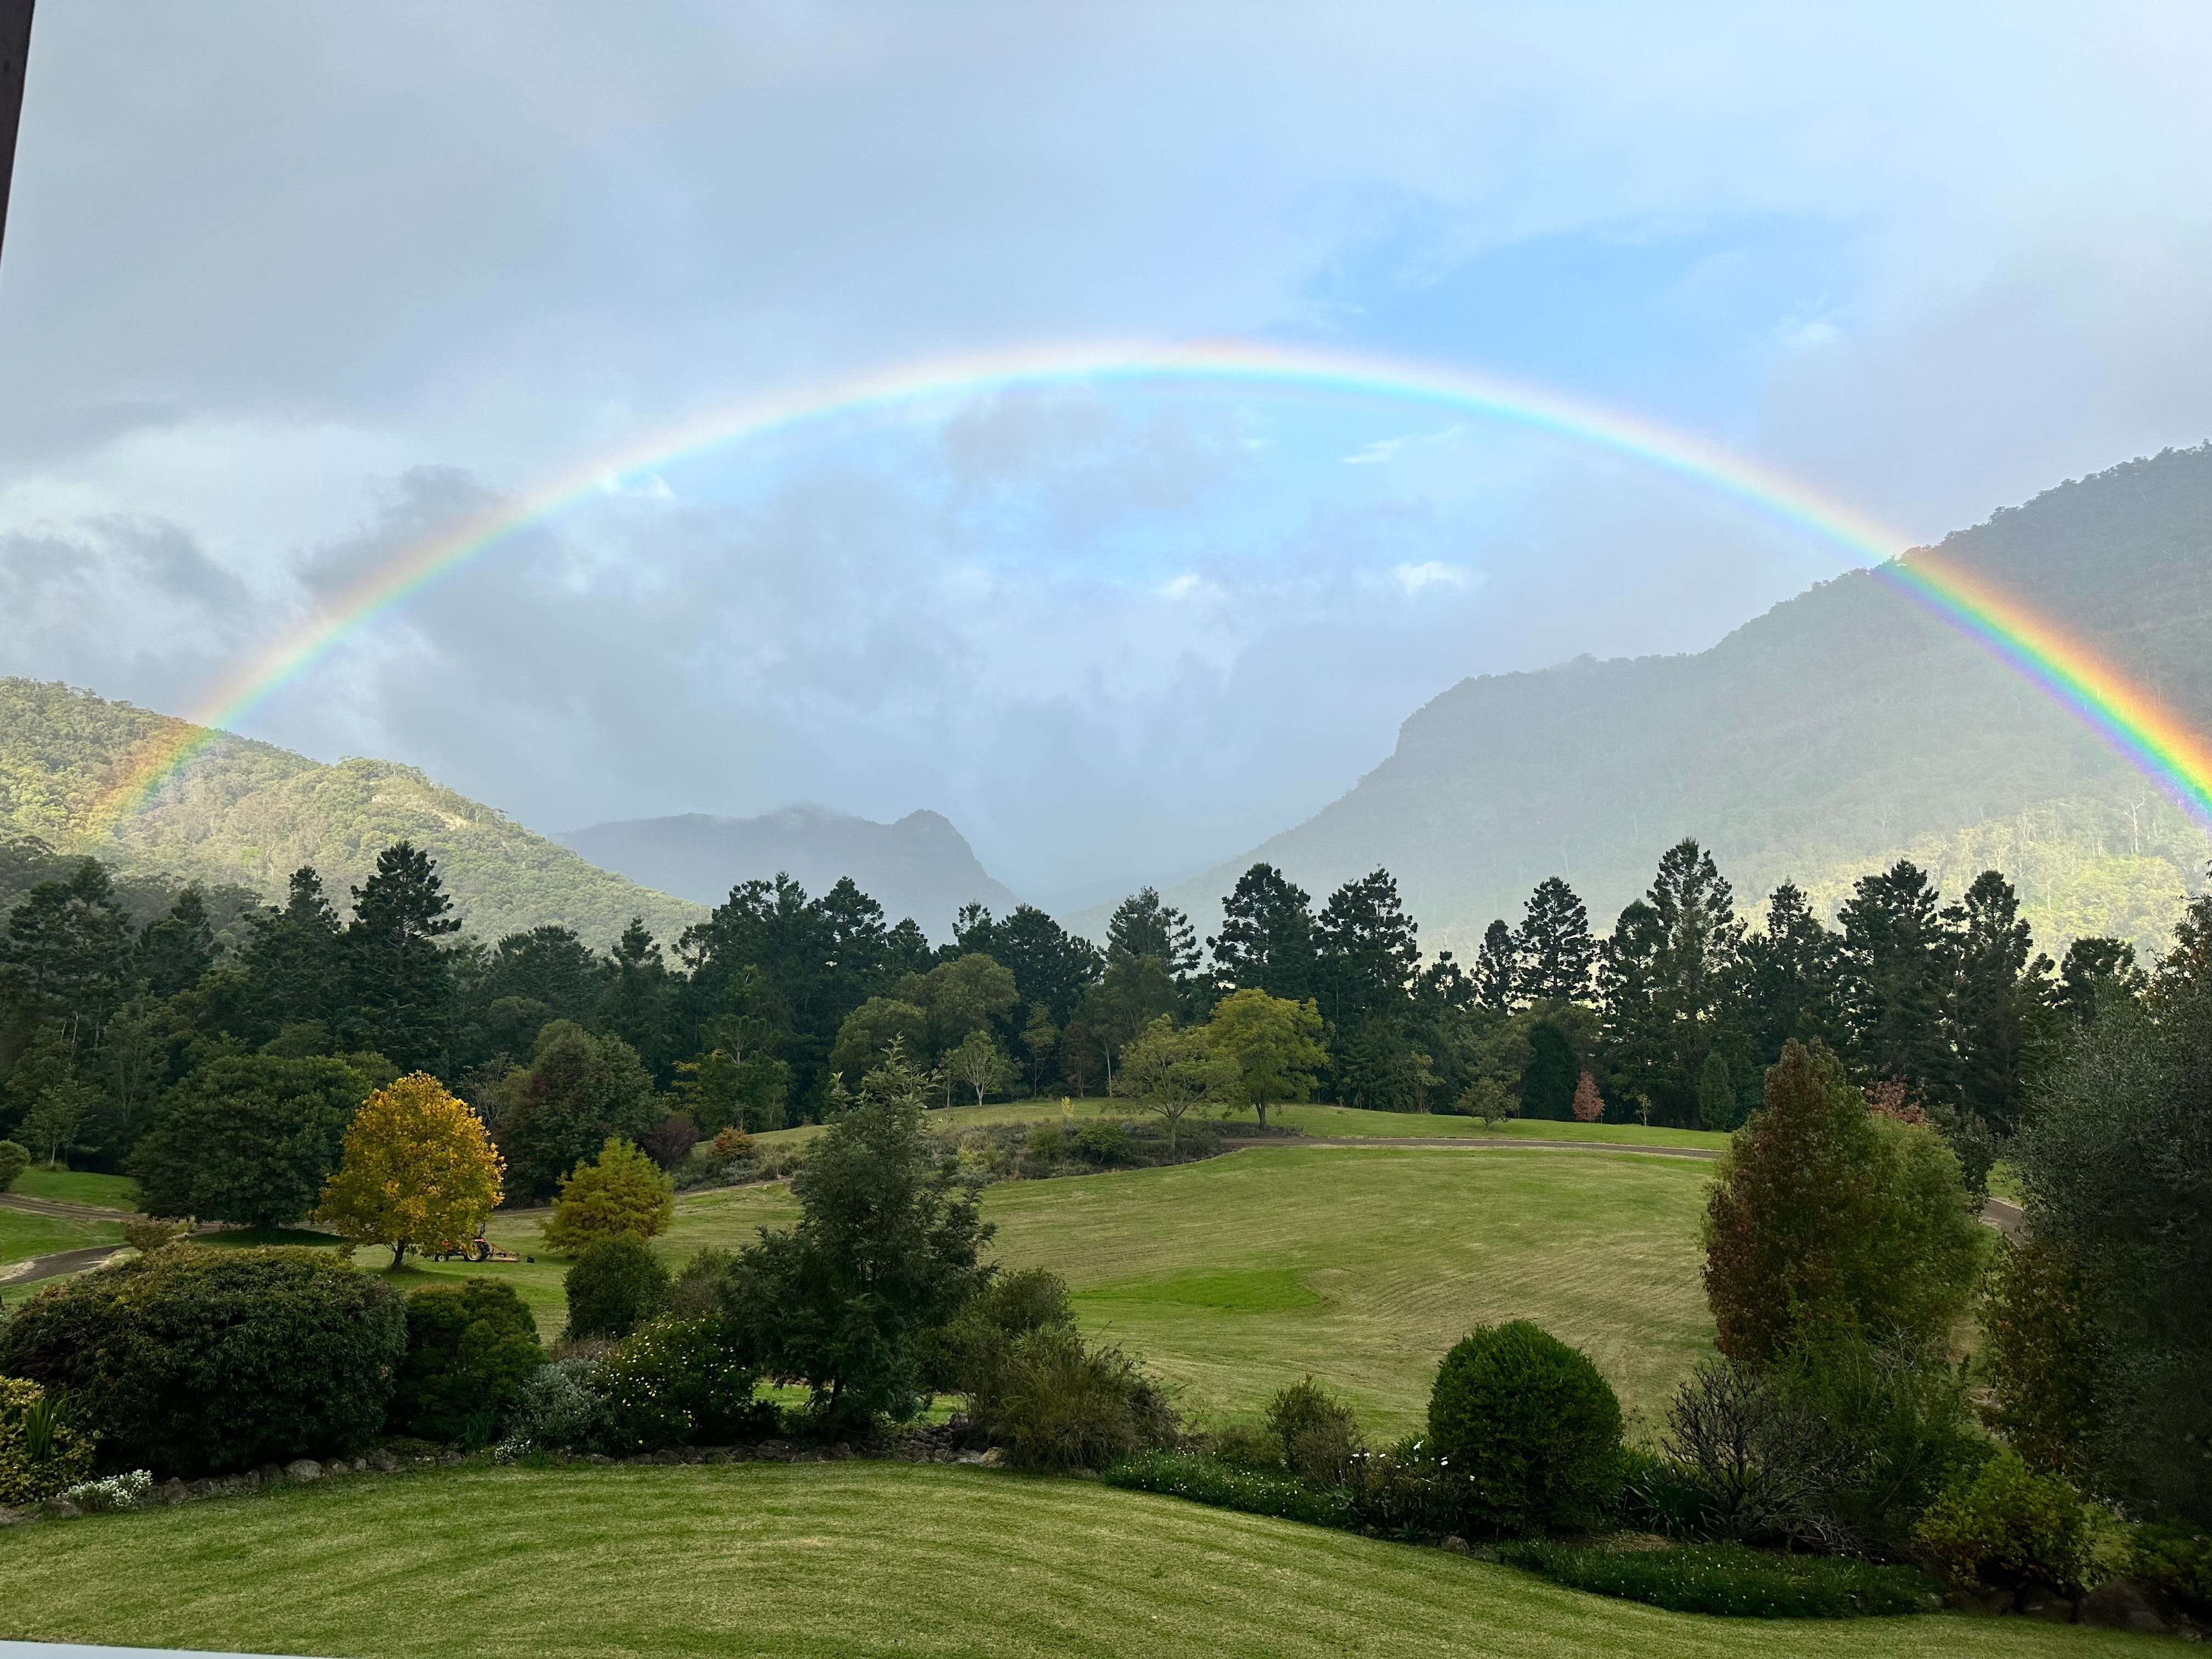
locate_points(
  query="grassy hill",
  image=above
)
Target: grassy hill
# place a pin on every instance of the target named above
(1844, 728)
(249, 814)
(850, 1559)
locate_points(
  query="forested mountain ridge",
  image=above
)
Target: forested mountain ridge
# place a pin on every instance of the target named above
(1844, 728)
(249, 814)
(920, 867)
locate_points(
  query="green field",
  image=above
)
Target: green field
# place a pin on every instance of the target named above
(846, 1559)
(1310, 1119)
(78, 1186)
(1241, 1274)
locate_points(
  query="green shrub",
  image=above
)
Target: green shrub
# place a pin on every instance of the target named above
(616, 1286)
(1731, 1581)
(469, 1346)
(1053, 1402)
(1227, 1486)
(194, 1361)
(1047, 1143)
(2176, 1561)
(1099, 1141)
(1899, 1429)
(677, 1383)
(2006, 1527)
(1316, 1431)
(1531, 1426)
(1408, 1491)
(558, 1408)
(40, 1453)
(1242, 1446)
(1658, 1494)
(2040, 1358)
(698, 1289)
(962, 1356)
(624, 1194)
(14, 1158)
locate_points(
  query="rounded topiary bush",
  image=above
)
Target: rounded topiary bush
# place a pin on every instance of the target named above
(194, 1361)
(616, 1286)
(470, 1348)
(1529, 1426)
(14, 1160)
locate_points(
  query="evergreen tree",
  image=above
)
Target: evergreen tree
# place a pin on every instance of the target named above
(1553, 943)
(2001, 1012)
(636, 1004)
(2097, 974)
(1789, 976)
(1145, 924)
(1899, 960)
(400, 974)
(1667, 974)
(1497, 973)
(174, 952)
(1051, 968)
(1717, 1105)
(579, 1092)
(1267, 938)
(550, 966)
(1548, 1080)
(1369, 950)
(68, 956)
(292, 965)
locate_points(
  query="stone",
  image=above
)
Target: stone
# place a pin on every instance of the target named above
(975, 1458)
(2120, 1604)
(303, 1469)
(451, 1460)
(15, 1518)
(993, 1458)
(201, 1487)
(600, 1459)
(381, 1461)
(1456, 1545)
(62, 1509)
(268, 1474)
(2041, 1601)
(173, 1491)
(666, 1455)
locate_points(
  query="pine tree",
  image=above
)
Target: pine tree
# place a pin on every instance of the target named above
(1553, 943)
(174, 952)
(2098, 974)
(1788, 975)
(1717, 1105)
(1497, 969)
(1144, 924)
(402, 976)
(67, 955)
(2001, 1010)
(1549, 1079)
(1899, 960)
(1267, 938)
(292, 967)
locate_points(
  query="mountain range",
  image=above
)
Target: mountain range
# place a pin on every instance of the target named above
(1844, 728)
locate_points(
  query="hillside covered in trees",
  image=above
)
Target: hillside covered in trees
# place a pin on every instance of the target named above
(245, 814)
(1842, 731)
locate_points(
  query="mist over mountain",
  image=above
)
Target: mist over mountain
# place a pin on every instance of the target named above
(247, 814)
(919, 867)
(1844, 728)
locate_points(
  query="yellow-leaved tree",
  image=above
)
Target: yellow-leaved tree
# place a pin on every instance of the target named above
(418, 1169)
(624, 1192)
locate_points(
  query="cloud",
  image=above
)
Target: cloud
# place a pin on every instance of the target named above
(1430, 573)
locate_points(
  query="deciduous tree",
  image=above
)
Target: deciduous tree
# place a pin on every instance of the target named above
(1275, 1044)
(250, 1139)
(622, 1193)
(418, 1169)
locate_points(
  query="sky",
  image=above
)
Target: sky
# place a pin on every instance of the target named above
(287, 288)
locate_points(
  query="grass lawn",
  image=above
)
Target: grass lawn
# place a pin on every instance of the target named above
(1313, 1121)
(23, 1235)
(1239, 1274)
(77, 1186)
(846, 1559)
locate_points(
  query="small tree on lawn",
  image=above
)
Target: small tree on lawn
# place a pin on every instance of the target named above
(1274, 1042)
(623, 1192)
(1589, 1107)
(418, 1169)
(1830, 1221)
(976, 1063)
(1167, 1071)
(52, 1126)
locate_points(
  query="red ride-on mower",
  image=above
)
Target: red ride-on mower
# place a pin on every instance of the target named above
(479, 1249)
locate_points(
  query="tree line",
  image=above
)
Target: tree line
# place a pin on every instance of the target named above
(768, 1010)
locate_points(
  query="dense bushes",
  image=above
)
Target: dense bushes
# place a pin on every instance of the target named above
(2006, 1527)
(1228, 1486)
(41, 1453)
(2040, 1357)
(196, 1361)
(14, 1160)
(678, 1382)
(1532, 1427)
(469, 1347)
(2175, 1561)
(1317, 1433)
(1730, 1580)
(616, 1286)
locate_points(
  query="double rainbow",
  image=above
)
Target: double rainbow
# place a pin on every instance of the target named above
(2130, 718)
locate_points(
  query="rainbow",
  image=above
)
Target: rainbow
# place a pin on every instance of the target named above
(2125, 715)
